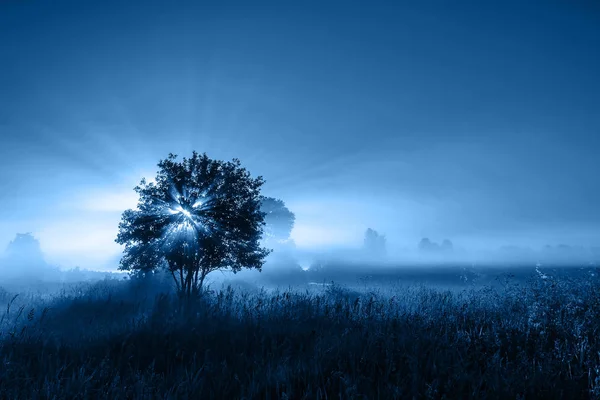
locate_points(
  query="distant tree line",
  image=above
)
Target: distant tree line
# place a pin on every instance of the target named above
(428, 247)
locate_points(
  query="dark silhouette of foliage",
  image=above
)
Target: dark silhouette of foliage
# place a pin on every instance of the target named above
(112, 341)
(201, 215)
(279, 219)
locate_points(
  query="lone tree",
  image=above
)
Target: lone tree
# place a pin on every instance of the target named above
(200, 215)
(278, 218)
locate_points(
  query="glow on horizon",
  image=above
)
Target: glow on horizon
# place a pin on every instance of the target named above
(69, 242)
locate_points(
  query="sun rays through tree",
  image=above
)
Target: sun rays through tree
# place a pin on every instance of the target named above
(200, 215)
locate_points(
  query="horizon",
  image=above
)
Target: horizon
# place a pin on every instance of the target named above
(550, 254)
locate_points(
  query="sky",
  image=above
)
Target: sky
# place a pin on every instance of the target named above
(473, 121)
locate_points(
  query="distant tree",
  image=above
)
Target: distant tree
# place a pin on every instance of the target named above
(200, 215)
(374, 243)
(427, 246)
(25, 247)
(447, 246)
(24, 259)
(279, 219)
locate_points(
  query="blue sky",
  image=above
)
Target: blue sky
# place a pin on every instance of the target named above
(476, 121)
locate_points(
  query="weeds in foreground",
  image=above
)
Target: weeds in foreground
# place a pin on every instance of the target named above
(103, 342)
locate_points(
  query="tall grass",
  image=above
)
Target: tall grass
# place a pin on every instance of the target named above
(122, 341)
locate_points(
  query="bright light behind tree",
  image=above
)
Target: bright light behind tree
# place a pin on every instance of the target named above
(180, 210)
(200, 215)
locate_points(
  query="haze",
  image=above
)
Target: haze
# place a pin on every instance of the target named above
(478, 122)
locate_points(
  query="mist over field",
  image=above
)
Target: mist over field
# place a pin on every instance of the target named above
(288, 200)
(23, 267)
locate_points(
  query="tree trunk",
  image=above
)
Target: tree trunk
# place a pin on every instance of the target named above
(181, 280)
(189, 282)
(202, 276)
(196, 278)
(177, 286)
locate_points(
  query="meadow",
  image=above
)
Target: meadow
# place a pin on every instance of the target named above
(133, 339)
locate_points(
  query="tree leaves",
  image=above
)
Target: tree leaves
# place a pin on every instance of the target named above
(198, 216)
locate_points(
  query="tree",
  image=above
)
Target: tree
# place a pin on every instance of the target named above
(447, 246)
(279, 219)
(374, 243)
(199, 216)
(25, 247)
(427, 246)
(24, 259)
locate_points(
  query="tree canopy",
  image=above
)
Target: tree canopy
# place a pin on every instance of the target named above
(200, 215)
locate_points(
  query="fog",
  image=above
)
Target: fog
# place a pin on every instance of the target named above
(23, 267)
(419, 122)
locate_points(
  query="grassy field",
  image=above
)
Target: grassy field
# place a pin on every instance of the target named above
(130, 340)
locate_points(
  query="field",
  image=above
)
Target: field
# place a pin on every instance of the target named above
(533, 335)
